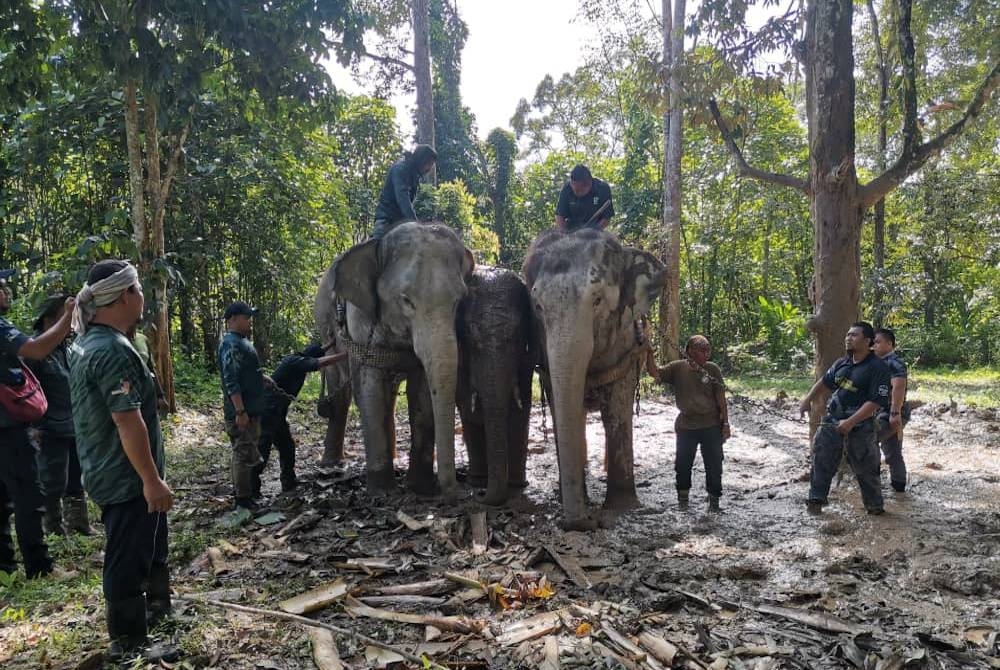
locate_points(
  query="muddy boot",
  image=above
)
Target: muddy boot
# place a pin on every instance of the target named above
(77, 519)
(127, 629)
(713, 504)
(158, 606)
(52, 521)
(682, 499)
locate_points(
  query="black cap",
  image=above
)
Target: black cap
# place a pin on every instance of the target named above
(314, 351)
(51, 307)
(239, 307)
(7, 274)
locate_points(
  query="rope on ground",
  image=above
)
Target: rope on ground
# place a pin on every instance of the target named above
(305, 621)
(746, 400)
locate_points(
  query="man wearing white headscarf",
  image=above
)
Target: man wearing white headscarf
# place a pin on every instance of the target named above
(121, 455)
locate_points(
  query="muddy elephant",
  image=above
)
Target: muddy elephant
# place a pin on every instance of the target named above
(335, 399)
(402, 294)
(588, 292)
(496, 362)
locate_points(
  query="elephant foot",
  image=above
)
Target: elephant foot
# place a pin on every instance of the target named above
(331, 462)
(422, 485)
(621, 501)
(492, 499)
(381, 482)
(584, 523)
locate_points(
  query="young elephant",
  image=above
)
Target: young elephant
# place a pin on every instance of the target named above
(494, 380)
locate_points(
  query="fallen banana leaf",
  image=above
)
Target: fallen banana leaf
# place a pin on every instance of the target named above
(315, 599)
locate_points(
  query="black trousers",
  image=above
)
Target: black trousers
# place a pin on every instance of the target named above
(59, 466)
(688, 441)
(21, 497)
(136, 545)
(274, 430)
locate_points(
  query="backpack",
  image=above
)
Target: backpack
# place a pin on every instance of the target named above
(25, 402)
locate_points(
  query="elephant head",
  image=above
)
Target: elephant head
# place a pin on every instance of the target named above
(588, 290)
(403, 293)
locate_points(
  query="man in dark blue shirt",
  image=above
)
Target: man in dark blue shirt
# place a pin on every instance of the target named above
(584, 202)
(860, 385)
(395, 203)
(285, 384)
(243, 398)
(892, 419)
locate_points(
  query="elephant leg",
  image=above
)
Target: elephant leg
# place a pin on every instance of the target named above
(333, 444)
(420, 477)
(375, 394)
(517, 431)
(616, 412)
(474, 436)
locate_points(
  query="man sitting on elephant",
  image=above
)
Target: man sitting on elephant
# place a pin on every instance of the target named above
(584, 202)
(395, 203)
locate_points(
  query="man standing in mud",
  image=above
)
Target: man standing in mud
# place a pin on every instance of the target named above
(860, 385)
(891, 421)
(395, 203)
(243, 398)
(584, 202)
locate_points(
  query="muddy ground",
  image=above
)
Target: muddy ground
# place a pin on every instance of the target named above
(761, 585)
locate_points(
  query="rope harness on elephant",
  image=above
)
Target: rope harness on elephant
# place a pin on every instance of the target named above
(382, 358)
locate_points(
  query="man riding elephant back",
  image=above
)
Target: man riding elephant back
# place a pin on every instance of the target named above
(395, 204)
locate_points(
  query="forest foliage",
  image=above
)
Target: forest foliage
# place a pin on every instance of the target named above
(270, 189)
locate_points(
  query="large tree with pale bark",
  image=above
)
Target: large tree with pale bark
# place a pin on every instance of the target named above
(838, 198)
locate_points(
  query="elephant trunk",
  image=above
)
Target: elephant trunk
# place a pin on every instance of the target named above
(569, 350)
(495, 402)
(437, 348)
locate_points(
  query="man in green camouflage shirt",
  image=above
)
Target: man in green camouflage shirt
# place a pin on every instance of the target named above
(121, 454)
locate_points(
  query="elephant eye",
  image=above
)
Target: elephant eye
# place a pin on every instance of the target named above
(406, 301)
(598, 300)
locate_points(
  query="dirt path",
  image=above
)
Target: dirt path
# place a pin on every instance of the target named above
(919, 584)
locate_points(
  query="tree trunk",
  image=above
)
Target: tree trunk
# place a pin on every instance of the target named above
(880, 294)
(673, 51)
(836, 213)
(422, 74)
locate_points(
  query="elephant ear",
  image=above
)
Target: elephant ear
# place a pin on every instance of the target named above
(645, 277)
(354, 277)
(468, 264)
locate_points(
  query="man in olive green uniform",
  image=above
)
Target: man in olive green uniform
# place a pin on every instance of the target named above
(703, 419)
(121, 455)
(243, 398)
(58, 465)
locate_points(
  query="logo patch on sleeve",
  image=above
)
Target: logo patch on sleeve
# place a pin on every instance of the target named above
(883, 390)
(123, 389)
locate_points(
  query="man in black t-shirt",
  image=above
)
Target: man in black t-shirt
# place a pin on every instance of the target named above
(860, 385)
(285, 383)
(892, 419)
(584, 202)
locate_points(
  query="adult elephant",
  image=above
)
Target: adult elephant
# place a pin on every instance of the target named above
(402, 294)
(589, 292)
(496, 361)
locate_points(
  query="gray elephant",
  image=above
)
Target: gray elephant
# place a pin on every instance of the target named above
(402, 294)
(588, 292)
(335, 402)
(496, 362)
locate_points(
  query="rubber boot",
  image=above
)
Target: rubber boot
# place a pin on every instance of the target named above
(682, 499)
(52, 522)
(713, 504)
(158, 606)
(77, 517)
(127, 629)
